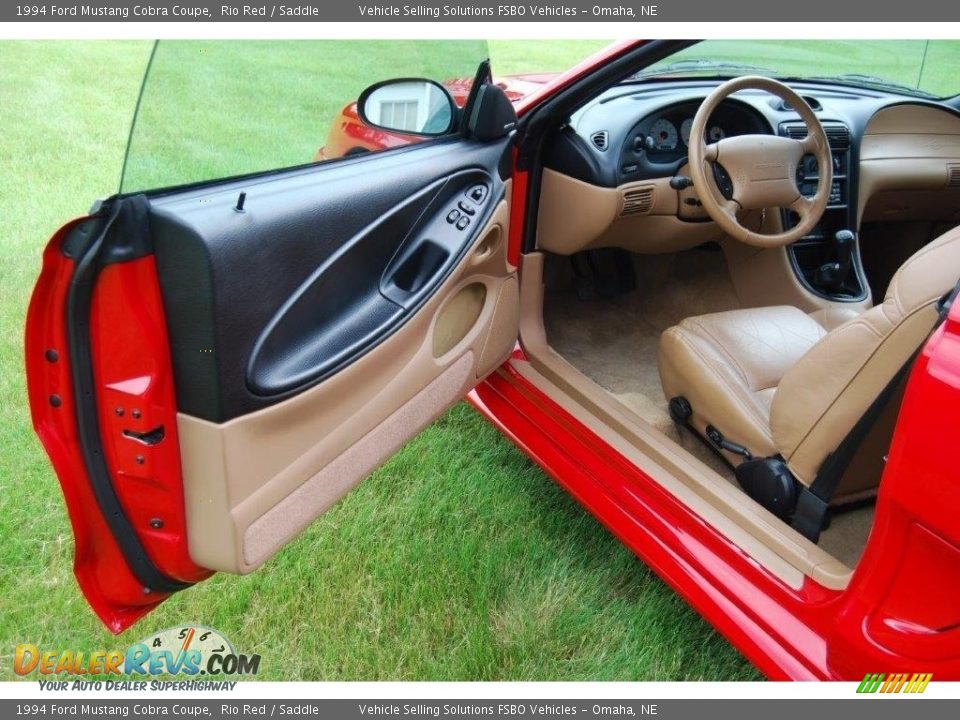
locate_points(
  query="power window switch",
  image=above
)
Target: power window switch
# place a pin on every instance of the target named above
(467, 208)
(462, 223)
(453, 216)
(477, 193)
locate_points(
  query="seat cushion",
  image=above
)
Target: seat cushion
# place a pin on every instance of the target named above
(728, 366)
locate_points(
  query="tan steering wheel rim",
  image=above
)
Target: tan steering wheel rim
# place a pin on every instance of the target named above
(762, 168)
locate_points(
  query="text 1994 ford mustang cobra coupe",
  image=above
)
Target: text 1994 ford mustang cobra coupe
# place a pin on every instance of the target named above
(713, 304)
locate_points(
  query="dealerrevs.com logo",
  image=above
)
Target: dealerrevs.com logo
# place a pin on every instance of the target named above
(190, 650)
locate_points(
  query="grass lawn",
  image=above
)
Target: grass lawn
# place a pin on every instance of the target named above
(459, 559)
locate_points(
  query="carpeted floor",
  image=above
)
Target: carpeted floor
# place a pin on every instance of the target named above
(847, 535)
(614, 342)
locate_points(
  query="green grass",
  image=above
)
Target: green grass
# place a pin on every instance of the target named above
(458, 559)
(508, 57)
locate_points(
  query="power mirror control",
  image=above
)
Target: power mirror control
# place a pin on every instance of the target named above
(477, 193)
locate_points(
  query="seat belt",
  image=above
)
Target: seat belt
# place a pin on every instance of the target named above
(814, 501)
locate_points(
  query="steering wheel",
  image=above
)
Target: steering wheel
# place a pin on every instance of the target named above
(762, 168)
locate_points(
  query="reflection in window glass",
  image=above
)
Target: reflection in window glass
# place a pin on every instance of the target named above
(221, 108)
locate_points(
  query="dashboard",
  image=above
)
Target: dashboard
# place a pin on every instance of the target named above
(609, 171)
(640, 131)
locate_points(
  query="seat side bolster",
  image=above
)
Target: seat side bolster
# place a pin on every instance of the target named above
(928, 274)
(833, 317)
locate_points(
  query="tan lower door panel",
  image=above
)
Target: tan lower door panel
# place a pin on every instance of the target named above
(253, 483)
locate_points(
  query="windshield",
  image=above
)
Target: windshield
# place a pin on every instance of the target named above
(915, 67)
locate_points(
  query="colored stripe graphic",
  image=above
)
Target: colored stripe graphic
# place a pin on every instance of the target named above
(895, 683)
(870, 683)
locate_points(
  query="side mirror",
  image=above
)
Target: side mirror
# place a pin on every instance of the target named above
(414, 106)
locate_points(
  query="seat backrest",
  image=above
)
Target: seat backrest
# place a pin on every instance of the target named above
(822, 396)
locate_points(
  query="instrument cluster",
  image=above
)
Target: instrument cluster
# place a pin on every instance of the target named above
(664, 136)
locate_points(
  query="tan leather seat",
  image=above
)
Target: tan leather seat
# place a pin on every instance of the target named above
(781, 382)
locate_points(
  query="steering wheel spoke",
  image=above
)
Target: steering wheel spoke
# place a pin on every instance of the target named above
(802, 206)
(711, 152)
(810, 145)
(731, 208)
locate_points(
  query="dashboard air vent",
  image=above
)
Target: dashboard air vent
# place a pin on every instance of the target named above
(953, 175)
(837, 135)
(637, 201)
(600, 140)
(795, 132)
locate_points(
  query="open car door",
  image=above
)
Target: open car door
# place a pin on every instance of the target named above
(211, 367)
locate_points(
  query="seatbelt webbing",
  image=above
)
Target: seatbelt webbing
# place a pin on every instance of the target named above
(814, 501)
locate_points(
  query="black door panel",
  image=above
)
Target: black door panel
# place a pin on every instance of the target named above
(368, 287)
(321, 265)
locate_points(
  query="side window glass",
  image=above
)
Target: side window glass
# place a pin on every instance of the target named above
(215, 109)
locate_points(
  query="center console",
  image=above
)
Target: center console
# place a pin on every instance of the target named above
(826, 260)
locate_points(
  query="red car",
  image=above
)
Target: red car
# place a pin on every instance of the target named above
(715, 306)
